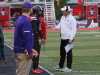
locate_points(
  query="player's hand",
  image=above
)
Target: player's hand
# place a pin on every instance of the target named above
(40, 41)
(43, 41)
(5, 61)
(53, 27)
(70, 41)
(32, 56)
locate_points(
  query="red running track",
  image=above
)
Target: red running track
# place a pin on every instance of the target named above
(59, 29)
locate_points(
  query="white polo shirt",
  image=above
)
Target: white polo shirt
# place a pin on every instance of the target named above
(68, 27)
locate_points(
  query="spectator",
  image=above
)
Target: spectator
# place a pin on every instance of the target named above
(80, 16)
(18, 14)
(85, 16)
(14, 17)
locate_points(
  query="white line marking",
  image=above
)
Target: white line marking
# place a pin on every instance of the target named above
(87, 49)
(73, 49)
(88, 62)
(73, 55)
(82, 72)
(75, 45)
(45, 70)
(97, 35)
(87, 32)
(87, 55)
(86, 41)
(8, 46)
(39, 65)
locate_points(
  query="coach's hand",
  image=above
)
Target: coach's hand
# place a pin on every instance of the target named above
(70, 41)
(40, 41)
(53, 27)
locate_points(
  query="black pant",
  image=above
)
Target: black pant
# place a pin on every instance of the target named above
(63, 54)
(37, 48)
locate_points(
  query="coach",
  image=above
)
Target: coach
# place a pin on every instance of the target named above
(23, 39)
(68, 30)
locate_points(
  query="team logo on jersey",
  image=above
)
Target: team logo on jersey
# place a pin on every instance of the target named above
(3, 11)
(92, 11)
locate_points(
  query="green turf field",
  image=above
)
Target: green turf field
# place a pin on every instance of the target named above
(86, 52)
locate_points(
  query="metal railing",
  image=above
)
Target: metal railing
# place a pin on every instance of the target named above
(91, 0)
(49, 13)
(26, 0)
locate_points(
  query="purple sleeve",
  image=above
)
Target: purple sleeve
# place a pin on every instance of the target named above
(27, 36)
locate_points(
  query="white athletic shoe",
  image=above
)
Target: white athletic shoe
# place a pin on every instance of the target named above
(67, 69)
(58, 68)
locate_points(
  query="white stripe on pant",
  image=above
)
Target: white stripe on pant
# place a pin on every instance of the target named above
(23, 64)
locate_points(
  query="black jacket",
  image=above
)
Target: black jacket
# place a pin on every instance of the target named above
(35, 21)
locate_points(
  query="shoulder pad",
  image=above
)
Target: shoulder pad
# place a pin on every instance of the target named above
(29, 17)
(33, 18)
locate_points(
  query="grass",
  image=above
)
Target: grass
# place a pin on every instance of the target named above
(86, 52)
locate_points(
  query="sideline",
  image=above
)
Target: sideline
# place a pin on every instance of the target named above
(39, 65)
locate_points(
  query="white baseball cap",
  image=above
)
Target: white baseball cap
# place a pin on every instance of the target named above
(65, 8)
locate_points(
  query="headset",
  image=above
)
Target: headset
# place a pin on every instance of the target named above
(66, 8)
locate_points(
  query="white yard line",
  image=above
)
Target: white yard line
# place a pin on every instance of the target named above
(8, 46)
(73, 55)
(39, 65)
(87, 55)
(45, 70)
(41, 55)
(73, 50)
(82, 72)
(74, 45)
(86, 49)
(97, 35)
(88, 62)
(74, 42)
(87, 32)
(86, 41)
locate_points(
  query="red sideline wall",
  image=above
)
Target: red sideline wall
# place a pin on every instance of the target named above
(77, 9)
